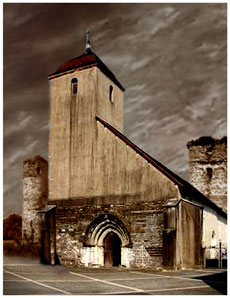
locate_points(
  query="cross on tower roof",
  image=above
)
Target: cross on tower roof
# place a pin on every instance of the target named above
(88, 46)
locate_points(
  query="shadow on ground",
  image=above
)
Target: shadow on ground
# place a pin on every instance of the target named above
(217, 281)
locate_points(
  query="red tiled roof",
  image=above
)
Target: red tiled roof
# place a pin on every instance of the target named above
(186, 189)
(83, 61)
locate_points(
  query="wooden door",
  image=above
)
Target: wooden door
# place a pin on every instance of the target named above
(169, 248)
(112, 250)
(108, 254)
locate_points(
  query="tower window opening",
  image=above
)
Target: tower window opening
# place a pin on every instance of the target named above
(74, 86)
(38, 170)
(209, 149)
(209, 172)
(111, 93)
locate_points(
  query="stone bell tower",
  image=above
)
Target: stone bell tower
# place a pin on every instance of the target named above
(80, 89)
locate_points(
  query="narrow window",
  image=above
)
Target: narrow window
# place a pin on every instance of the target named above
(209, 149)
(38, 170)
(74, 86)
(111, 93)
(209, 172)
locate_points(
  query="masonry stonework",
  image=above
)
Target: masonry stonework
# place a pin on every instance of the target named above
(208, 168)
(144, 224)
(35, 193)
(109, 202)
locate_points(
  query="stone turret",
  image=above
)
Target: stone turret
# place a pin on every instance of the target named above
(35, 193)
(208, 168)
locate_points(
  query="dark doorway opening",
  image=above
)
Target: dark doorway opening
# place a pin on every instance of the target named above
(169, 245)
(112, 250)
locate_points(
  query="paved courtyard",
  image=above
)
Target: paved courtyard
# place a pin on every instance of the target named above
(29, 277)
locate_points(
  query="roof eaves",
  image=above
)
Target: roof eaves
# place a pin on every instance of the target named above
(93, 60)
(46, 209)
(173, 202)
(64, 72)
(189, 188)
(108, 72)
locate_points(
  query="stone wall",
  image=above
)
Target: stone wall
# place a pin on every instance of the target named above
(144, 223)
(88, 160)
(208, 168)
(35, 193)
(93, 172)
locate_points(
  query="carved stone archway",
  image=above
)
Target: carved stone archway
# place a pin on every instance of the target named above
(101, 226)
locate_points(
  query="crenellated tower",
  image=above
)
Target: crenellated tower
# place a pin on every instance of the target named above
(35, 194)
(208, 168)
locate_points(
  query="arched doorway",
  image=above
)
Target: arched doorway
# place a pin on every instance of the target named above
(112, 250)
(107, 232)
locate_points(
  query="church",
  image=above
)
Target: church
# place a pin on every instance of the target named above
(103, 201)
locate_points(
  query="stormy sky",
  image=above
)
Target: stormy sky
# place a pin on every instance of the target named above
(171, 58)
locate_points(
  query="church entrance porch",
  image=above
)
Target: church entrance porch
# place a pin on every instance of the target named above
(106, 242)
(169, 237)
(112, 250)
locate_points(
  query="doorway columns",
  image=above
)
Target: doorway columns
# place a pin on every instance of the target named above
(98, 233)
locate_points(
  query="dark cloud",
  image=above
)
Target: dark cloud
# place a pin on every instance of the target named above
(170, 57)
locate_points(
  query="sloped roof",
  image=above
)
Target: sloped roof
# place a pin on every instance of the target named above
(187, 190)
(175, 201)
(47, 209)
(86, 60)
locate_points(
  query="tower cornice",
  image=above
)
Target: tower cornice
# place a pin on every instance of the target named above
(85, 61)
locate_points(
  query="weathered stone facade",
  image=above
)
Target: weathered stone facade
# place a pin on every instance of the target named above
(94, 170)
(109, 202)
(142, 227)
(208, 168)
(35, 193)
(139, 225)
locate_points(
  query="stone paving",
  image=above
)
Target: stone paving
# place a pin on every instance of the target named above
(29, 277)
